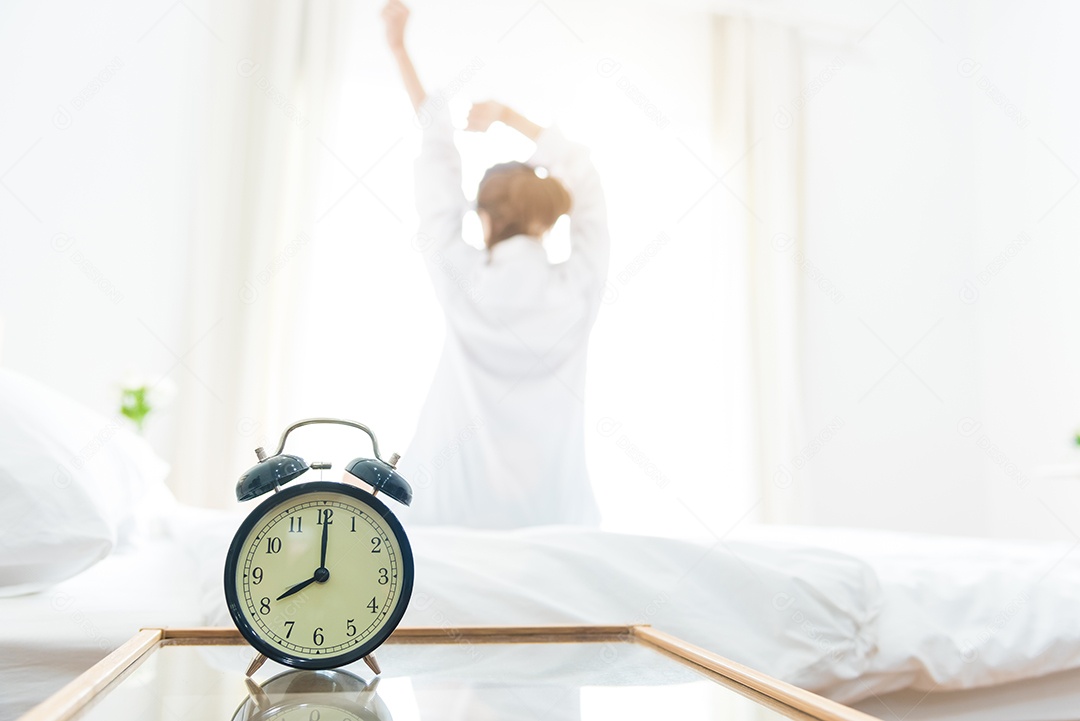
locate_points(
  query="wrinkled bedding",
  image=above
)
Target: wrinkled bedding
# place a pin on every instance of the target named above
(847, 613)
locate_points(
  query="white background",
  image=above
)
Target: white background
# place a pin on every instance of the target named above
(917, 179)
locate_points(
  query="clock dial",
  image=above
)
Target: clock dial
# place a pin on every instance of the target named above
(319, 575)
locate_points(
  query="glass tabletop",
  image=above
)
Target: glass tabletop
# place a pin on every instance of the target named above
(579, 681)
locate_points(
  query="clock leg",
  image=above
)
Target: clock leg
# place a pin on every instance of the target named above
(369, 691)
(256, 664)
(372, 663)
(255, 691)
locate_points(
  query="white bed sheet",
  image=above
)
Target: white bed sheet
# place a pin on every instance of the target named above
(860, 616)
(47, 639)
(958, 613)
(797, 613)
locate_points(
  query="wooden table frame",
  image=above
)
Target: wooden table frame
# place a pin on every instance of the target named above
(759, 687)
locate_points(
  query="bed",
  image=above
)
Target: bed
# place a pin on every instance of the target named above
(49, 638)
(93, 547)
(909, 627)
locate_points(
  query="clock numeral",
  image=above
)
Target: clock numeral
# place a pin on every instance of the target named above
(315, 715)
(273, 545)
(376, 545)
(290, 624)
(324, 516)
(256, 575)
(350, 628)
(353, 529)
(317, 637)
(373, 606)
(264, 605)
(296, 524)
(384, 577)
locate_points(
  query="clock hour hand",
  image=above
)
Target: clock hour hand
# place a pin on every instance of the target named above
(321, 573)
(298, 587)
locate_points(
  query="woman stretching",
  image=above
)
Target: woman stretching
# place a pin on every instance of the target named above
(501, 440)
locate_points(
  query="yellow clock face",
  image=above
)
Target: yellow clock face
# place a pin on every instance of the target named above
(318, 575)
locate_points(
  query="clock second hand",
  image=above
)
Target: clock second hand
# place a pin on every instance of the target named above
(321, 573)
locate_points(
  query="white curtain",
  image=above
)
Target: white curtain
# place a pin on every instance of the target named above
(271, 75)
(757, 136)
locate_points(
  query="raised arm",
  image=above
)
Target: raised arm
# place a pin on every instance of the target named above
(440, 202)
(396, 16)
(590, 242)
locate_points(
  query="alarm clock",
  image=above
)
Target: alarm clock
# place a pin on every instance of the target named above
(320, 573)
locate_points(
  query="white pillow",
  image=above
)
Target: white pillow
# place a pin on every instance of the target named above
(73, 484)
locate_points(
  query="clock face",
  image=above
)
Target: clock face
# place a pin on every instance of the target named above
(318, 575)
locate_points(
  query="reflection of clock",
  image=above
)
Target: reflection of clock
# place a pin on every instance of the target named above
(327, 695)
(319, 574)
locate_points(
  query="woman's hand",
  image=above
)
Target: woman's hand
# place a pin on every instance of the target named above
(395, 15)
(482, 115)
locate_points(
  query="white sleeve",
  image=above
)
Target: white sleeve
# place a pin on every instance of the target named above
(441, 205)
(589, 238)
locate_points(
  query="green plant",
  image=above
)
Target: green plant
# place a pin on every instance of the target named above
(135, 404)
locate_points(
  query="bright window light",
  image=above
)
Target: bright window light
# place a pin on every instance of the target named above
(668, 336)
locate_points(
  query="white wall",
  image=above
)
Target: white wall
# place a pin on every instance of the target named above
(931, 155)
(93, 216)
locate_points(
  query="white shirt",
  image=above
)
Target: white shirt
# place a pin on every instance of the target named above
(501, 440)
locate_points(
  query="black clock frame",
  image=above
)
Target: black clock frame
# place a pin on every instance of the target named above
(259, 513)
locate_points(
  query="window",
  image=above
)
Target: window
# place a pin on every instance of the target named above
(670, 335)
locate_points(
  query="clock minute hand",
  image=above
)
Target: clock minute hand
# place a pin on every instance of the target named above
(298, 587)
(322, 555)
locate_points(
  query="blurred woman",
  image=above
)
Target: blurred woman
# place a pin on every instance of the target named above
(501, 442)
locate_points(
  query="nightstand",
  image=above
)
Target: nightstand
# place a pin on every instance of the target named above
(571, 673)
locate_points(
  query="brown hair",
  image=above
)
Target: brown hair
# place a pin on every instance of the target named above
(520, 202)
